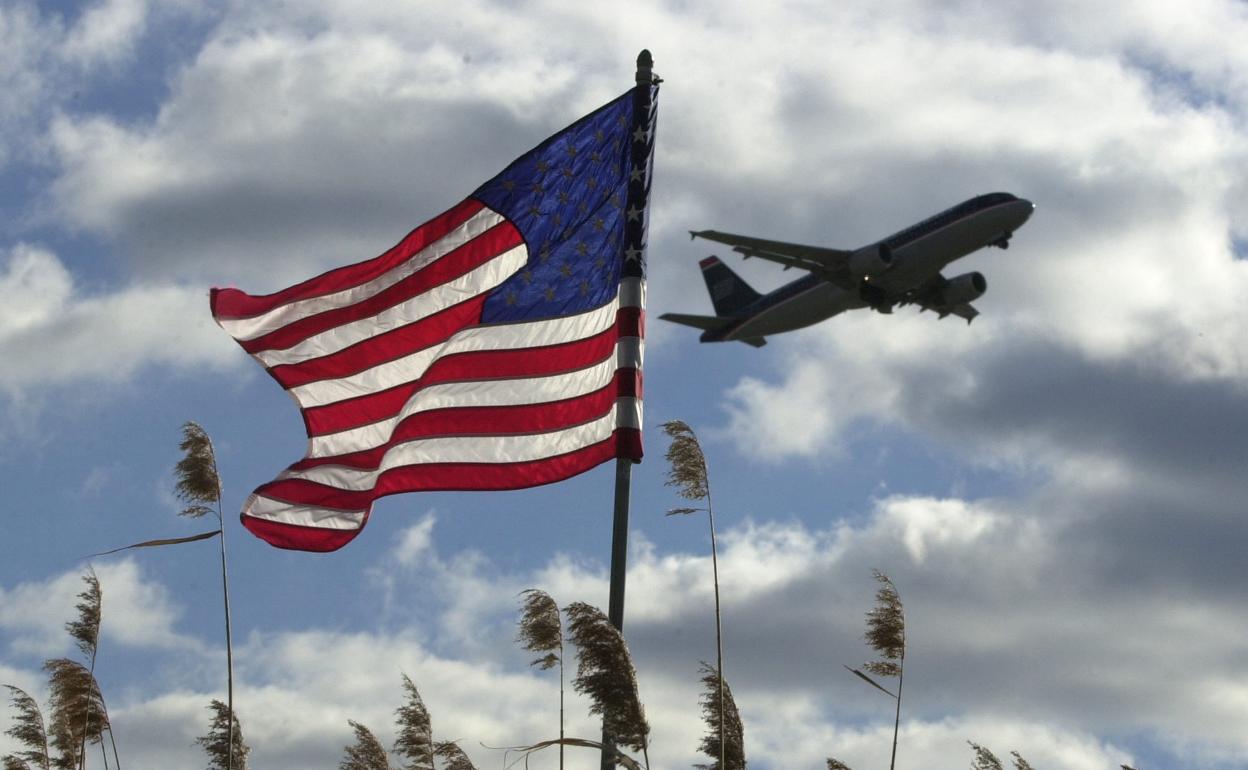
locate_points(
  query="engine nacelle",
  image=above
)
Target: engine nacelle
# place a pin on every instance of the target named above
(967, 287)
(870, 260)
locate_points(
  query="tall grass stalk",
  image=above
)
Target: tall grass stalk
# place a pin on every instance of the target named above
(687, 472)
(414, 741)
(199, 487)
(85, 631)
(366, 753)
(605, 674)
(28, 730)
(453, 757)
(224, 742)
(886, 633)
(541, 630)
(724, 722)
(76, 708)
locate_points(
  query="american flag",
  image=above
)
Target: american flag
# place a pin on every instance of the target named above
(497, 346)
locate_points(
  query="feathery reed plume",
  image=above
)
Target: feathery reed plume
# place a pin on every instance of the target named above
(687, 464)
(85, 630)
(836, 764)
(984, 759)
(886, 633)
(886, 629)
(541, 630)
(415, 739)
(688, 473)
(1019, 762)
(224, 742)
(728, 735)
(199, 487)
(605, 673)
(27, 730)
(453, 757)
(366, 753)
(77, 710)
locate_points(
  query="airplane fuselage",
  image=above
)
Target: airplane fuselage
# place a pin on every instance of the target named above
(918, 253)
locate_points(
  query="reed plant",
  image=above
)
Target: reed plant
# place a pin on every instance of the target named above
(414, 740)
(886, 634)
(85, 631)
(77, 714)
(605, 674)
(366, 753)
(29, 731)
(224, 742)
(198, 486)
(541, 631)
(725, 741)
(687, 471)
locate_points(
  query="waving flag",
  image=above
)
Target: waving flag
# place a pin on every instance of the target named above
(497, 346)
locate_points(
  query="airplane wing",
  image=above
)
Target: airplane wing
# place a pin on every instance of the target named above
(929, 297)
(828, 262)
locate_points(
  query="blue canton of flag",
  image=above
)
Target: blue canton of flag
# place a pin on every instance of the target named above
(569, 197)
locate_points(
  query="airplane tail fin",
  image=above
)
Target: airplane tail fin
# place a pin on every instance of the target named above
(728, 292)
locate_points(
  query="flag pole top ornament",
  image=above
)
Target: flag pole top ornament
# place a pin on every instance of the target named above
(645, 69)
(497, 346)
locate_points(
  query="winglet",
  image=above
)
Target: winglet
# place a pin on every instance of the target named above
(695, 234)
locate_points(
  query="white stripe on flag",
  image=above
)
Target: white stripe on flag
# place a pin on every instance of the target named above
(464, 449)
(263, 507)
(479, 338)
(477, 393)
(437, 299)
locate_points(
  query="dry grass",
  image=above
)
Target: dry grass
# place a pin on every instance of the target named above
(726, 746)
(605, 674)
(366, 753)
(414, 742)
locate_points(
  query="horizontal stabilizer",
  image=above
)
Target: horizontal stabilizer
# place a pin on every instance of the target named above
(708, 322)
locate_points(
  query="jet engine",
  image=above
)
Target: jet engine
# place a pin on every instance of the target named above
(967, 287)
(870, 260)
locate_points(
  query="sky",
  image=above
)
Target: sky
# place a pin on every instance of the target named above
(1056, 489)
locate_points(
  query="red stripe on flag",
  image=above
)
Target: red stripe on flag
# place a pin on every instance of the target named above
(444, 477)
(232, 303)
(296, 538)
(482, 421)
(403, 341)
(473, 254)
(476, 365)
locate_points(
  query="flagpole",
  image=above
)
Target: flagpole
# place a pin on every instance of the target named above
(619, 542)
(638, 193)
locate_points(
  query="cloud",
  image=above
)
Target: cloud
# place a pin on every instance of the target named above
(106, 32)
(1019, 640)
(136, 611)
(51, 333)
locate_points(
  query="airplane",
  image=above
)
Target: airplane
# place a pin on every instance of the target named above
(902, 269)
